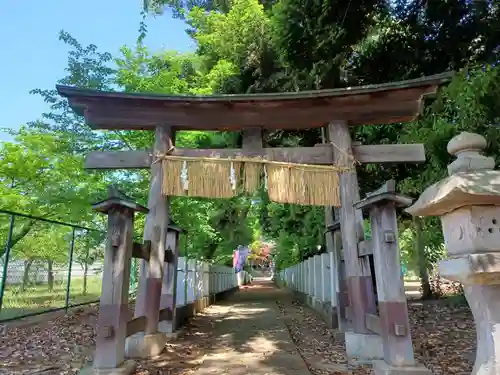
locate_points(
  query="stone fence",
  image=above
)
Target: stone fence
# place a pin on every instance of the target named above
(315, 279)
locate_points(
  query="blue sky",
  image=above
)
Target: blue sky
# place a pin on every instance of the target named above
(33, 57)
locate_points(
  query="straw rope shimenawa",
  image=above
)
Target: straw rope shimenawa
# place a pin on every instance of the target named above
(287, 182)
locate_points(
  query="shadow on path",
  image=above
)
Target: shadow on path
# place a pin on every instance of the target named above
(250, 336)
(244, 334)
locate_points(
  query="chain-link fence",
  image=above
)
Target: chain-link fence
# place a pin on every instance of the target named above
(47, 265)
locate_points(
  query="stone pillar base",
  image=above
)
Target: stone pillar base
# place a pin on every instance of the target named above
(126, 368)
(383, 368)
(144, 346)
(338, 335)
(166, 327)
(315, 303)
(363, 347)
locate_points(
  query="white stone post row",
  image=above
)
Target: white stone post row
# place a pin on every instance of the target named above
(310, 278)
(197, 280)
(468, 204)
(317, 279)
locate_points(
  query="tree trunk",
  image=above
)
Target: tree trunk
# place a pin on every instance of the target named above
(16, 237)
(50, 275)
(422, 259)
(26, 274)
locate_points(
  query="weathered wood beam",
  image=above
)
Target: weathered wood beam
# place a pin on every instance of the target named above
(143, 250)
(403, 90)
(320, 154)
(136, 325)
(133, 159)
(365, 248)
(398, 200)
(188, 117)
(334, 227)
(361, 296)
(398, 153)
(388, 187)
(155, 230)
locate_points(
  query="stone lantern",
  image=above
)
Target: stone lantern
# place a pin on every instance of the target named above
(468, 203)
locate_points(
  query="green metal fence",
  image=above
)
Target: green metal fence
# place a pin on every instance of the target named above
(47, 265)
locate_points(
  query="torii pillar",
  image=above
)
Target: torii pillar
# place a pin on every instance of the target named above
(360, 343)
(151, 342)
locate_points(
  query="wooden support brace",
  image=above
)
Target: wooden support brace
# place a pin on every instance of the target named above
(333, 227)
(141, 250)
(169, 256)
(136, 325)
(365, 248)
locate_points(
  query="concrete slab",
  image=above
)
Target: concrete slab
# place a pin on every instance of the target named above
(383, 368)
(140, 345)
(127, 368)
(363, 348)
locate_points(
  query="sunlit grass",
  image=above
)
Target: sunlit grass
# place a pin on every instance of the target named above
(38, 298)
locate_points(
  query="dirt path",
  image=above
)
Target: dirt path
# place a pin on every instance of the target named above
(244, 335)
(443, 337)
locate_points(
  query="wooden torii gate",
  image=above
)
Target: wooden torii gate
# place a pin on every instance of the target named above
(337, 109)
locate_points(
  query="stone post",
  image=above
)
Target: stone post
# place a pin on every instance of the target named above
(317, 278)
(468, 203)
(113, 308)
(325, 279)
(301, 277)
(168, 304)
(181, 282)
(294, 276)
(338, 287)
(310, 268)
(333, 288)
(212, 286)
(393, 323)
(206, 283)
(305, 277)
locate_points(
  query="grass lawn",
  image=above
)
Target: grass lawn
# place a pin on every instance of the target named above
(38, 298)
